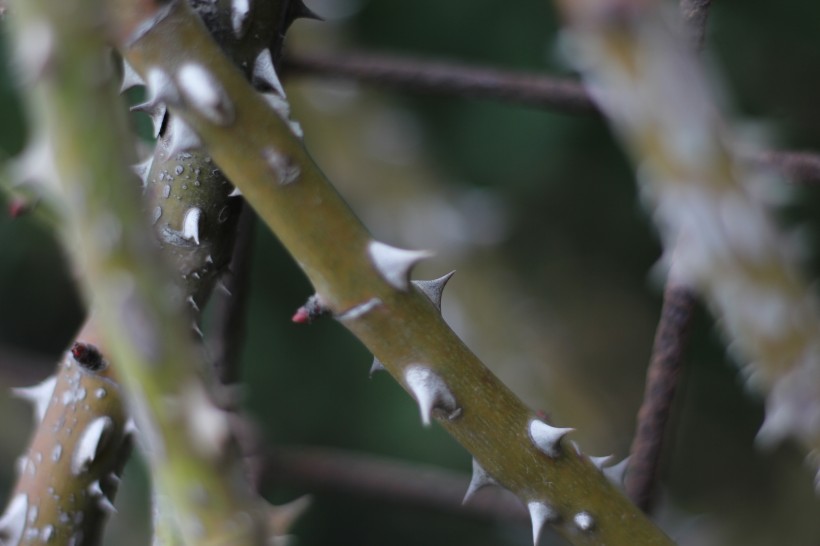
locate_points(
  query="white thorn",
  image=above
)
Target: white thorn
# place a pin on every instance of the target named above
(435, 288)
(584, 521)
(130, 77)
(156, 111)
(547, 438)
(284, 169)
(89, 444)
(190, 224)
(161, 87)
(235, 193)
(38, 395)
(264, 73)
(222, 288)
(360, 310)
(143, 169)
(617, 473)
(600, 462)
(540, 514)
(193, 304)
(431, 392)
(197, 330)
(377, 366)
(479, 479)
(240, 17)
(14, 520)
(182, 137)
(205, 94)
(103, 502)
(394, 264)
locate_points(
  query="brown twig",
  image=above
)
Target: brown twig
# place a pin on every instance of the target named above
(316, 469)
(535, 90)
(661, 383)
(666, 363)
(450, 79)
(231, 302)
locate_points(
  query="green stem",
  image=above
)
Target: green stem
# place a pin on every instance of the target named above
(364, 283)
(80, 123)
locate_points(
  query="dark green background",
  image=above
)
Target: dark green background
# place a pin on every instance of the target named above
(578, 241)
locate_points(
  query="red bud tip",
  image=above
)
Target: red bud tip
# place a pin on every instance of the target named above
(301, 316)
(17, 208)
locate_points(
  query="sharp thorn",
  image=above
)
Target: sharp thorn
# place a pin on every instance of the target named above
(479, 480)
(431, 392)
(394, 264)
(264, 74)
(143, 169)
(13, 521)
(130, 77)
(435, 288)
(377, 366)
(89, 444)
(547, 438)
(240, 17)
(616, 473)
(181, 137)
(298, 10)
(38, 395)
(601, 462)
(540, 515)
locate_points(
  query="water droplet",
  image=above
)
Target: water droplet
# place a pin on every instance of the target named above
(179, 169)
(166, 191)
(156, 214)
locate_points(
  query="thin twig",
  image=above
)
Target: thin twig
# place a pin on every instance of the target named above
(450, 79)
(666, 363)
(661, 383)
(535, 90)
(231, 302)
(385, 480)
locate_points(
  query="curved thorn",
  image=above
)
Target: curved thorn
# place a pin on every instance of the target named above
(103, 502)
(601, 462)
(434, 289)
(264, 73)
(240, 17)
(394, 264)
(182, 137)
(479, 480)
(130, 77)
(38, 395)
(431, 392)
(617, 473)
(143, 169)
(377, 366)
(540, 514)
(14, 520)
(89, 444)
(298, 10)
(547, 438)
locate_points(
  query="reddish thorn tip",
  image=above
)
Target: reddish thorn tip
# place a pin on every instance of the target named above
(18, 207)
(301, 316)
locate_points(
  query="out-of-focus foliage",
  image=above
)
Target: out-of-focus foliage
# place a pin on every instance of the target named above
(538, 212)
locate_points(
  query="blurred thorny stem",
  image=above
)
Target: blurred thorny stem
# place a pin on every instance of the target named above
(709, 209)
(79, 123)
(69, 475)
(364, 283)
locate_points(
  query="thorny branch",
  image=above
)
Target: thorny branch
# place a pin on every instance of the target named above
(367, 287)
